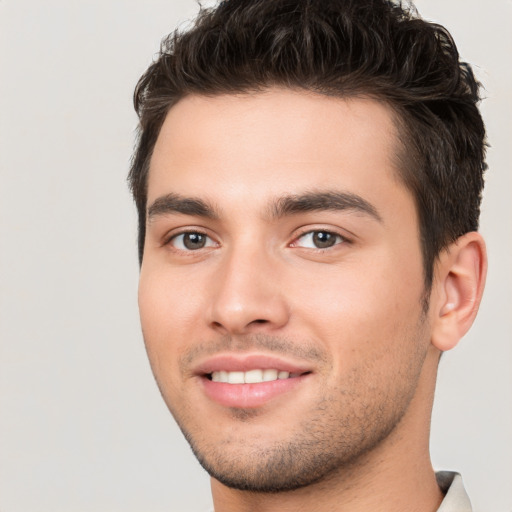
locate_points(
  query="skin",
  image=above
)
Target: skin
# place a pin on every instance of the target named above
(353, 433)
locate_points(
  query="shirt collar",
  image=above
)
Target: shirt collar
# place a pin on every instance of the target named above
(456, 498)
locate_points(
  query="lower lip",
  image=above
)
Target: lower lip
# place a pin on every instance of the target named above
(249, 395)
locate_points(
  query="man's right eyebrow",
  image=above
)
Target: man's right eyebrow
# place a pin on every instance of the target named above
(174, 203)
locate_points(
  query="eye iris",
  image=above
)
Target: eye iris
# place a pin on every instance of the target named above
(323, 239)
(194, 240)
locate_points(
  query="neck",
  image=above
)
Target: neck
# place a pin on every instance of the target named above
(395, 476)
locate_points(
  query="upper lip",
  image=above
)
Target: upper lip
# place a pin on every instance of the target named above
(245, 362)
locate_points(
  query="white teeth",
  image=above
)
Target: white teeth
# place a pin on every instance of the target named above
(251, 376)
(236, 377)
(269, 375)
(221, 376)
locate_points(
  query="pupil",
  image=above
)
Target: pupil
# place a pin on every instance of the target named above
(322, 239)
(194, 240)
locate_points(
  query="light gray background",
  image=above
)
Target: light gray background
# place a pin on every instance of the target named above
(82, 426)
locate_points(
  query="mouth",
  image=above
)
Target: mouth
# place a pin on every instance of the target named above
(255, 376)
(249, 381)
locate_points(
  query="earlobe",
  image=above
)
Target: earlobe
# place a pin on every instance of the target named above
(459, 280)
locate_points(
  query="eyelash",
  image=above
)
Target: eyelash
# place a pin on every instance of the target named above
(339, 239)
(170, 239)
(210, 242)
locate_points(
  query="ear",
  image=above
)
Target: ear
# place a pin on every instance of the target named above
(459, 279)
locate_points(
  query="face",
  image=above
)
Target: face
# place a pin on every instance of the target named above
(281, 286)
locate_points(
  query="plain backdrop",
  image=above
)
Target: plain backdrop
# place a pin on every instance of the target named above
(82, 426)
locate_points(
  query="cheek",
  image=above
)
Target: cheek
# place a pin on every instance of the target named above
(374, 333)
(168, 302)
(362, 310)
(167, 314)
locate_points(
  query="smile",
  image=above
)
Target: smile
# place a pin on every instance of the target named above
(251, 377)
(250, 380)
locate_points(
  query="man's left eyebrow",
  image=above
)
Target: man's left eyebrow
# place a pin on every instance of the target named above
(319, 201)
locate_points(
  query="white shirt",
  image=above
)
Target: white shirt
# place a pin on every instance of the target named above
(456, 498)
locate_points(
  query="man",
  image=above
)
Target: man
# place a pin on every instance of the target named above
(308, 179)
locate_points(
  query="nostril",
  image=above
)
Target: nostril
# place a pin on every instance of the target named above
(259, 321)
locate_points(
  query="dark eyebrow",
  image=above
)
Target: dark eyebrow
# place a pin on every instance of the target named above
(316, 201)
(174, 203)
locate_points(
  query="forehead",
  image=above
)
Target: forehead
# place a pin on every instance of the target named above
(275, 142)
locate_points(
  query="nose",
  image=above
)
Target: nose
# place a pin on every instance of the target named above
(247, 294)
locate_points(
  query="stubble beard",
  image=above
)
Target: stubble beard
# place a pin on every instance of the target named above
(331, 444)
(333, 439)
(316, 455)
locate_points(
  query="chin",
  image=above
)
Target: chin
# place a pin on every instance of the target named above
(284, 465)
(286, 470)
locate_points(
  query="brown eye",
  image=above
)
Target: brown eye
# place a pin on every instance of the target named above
(323, 239)
(191, 241)
(319, 240)
(194, 241)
